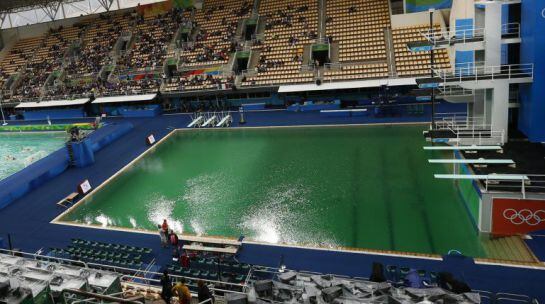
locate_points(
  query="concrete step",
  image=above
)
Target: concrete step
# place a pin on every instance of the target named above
(511, 248)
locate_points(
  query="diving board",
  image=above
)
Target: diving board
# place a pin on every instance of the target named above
(210, 121)
(225, 121)
(480, 161)
(505, 177)
(196, 122)
(462, 148)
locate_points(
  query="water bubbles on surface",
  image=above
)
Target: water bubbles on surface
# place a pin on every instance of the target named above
(205, 199)
(132, 220)
(285, 217)
(104, 220)
(160, 208)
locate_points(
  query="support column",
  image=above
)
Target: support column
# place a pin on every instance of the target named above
(499, 110)
(492, 39)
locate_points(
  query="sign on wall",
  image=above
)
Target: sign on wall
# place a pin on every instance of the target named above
(515, 216)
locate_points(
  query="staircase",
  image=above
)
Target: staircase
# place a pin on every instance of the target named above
(390, 55)
(72, 161)
(321, 19)
(307, 50)
(511, 248)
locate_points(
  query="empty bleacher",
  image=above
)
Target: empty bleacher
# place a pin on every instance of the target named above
(358, 27)
(105, 253)
(210, 267)
(413, 64)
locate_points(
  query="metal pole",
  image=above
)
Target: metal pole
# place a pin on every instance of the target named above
(432, 62)
(9, 243)
(4, 123)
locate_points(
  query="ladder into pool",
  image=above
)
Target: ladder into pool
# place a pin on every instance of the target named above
(225, 120)
(196, 121)
(211, 120)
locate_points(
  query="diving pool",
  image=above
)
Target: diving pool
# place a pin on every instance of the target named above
(18, 150)
(367, 187)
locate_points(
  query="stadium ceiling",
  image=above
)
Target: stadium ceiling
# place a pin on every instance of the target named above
(16, 13)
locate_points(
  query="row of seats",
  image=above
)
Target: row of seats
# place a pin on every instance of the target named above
(416, 63)
(99, 257)
(358, 26)
(289, 28)
(110, 247)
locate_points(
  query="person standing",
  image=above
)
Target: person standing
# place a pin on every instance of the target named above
(163, 236)
(166, 287)
(181, 291)
(165, 226)
(173, 238)
(204, 292)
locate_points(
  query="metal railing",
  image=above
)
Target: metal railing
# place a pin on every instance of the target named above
(511, 29)
(455, 91)
(479, 137)
(478, 71)
(130, 274)
(529, 182)
(467, 35)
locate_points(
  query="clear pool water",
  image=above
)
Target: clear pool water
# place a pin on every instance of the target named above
(18, 150)
(363, 187)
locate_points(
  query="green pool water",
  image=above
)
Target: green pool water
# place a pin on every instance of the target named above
(364, 187)
(18, 150)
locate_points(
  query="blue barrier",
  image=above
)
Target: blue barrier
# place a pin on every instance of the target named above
(148, 111)
(36, 174)
(83, 153)
(17, 185)
(53, 114)
(344, 113)
(311, 106)
(106, 135)
(253, 106)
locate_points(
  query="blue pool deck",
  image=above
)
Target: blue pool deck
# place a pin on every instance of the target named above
(27, 220)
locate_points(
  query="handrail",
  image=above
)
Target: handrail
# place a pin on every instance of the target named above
(115, 269)
(476, 71)
(465, 35)
(101, 297)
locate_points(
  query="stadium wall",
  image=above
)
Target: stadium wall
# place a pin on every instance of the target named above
(54, 114)
(532, 104)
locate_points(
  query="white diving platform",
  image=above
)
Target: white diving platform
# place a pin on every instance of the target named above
(480, 161)
(463, 148)
(196, 122)
(504, 177)
(225, 121)
(210, 121)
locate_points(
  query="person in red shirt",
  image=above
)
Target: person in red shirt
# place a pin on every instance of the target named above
(165, 226)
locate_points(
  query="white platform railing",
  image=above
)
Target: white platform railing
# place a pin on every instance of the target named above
(467, 35)
(478, 71)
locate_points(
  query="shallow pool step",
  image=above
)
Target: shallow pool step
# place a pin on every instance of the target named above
(511, 248)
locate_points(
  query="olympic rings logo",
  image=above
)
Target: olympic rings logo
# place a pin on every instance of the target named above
(524, 216)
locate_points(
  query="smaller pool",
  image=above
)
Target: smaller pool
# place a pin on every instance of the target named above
(18, 150)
